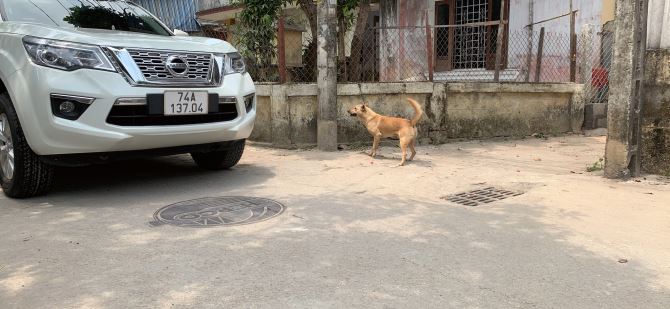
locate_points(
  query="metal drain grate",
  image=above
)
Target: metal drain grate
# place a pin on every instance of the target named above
(481, 196)
(218, 211)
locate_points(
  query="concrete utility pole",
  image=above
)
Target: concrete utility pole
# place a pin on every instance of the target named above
(327, 75)
(499, 42)
(622, 154)
(529, 57)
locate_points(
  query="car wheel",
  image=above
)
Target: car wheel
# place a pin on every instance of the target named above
(22, 173)
(220, 160)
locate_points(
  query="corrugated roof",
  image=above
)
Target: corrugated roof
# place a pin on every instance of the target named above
(177, 14)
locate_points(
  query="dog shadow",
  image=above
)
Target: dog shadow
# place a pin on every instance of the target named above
(396, 158)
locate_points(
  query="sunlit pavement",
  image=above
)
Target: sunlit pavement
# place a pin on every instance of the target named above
(356, 232)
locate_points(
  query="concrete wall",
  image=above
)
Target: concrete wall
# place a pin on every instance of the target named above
(656, 122)
(287, 113)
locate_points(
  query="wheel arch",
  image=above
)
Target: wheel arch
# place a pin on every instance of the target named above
(3, 88)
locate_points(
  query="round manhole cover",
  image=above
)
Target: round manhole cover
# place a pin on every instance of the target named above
(218, 211)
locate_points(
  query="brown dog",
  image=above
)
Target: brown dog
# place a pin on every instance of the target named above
(383, 126)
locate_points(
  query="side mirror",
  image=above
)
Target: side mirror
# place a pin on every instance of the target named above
(178, 32)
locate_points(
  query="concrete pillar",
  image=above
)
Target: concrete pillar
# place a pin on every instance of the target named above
(626, 82)
(281, 122)
(577, 107)
(327, 75)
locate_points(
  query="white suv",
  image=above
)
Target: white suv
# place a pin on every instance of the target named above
(85, 82)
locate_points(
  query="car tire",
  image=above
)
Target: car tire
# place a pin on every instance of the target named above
(220, 160)
(28, 176)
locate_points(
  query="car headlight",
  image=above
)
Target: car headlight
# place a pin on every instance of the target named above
(235, 63)
(66, 56)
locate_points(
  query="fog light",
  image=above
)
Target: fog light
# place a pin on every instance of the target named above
(249, 102)
(69, 107)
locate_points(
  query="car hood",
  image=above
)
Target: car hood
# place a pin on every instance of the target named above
(120, 38)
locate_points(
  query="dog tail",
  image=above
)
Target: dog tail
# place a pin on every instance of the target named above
(417, 111)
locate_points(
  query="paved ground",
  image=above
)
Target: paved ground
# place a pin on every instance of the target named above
(356, 233)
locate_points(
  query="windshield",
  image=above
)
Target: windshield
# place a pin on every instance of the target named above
(92, 14)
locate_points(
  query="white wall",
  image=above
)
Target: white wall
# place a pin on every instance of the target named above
(556, 63)
(589, 12)
(519, 14)
(658, 26)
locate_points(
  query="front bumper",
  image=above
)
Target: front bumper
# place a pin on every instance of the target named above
(84, 159)
(31, 87)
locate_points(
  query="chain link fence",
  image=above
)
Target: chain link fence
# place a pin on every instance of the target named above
(464, 54)
(440, 54)
(596, 53)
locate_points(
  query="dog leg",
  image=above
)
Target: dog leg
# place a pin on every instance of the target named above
(411, 147)
(403, 146)
(375, 145)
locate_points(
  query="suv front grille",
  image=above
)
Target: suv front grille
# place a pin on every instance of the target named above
(167, 68)
(152, 63)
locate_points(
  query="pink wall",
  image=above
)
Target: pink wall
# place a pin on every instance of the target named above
(403, 51)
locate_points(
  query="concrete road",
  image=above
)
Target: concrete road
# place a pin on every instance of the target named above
(357, 233)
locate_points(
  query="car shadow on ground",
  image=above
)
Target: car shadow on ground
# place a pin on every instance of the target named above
(147, 174)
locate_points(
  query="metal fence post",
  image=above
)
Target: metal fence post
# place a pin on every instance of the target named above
(281, 50)
(429, 49)
(573, 46)
(499, 43)
(529, 57)
(540, 48)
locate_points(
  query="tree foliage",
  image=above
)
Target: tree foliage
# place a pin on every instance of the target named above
(100, 17)
(256, 33)
(346, 13)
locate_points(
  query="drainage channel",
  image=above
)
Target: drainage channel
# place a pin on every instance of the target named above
(481, 196)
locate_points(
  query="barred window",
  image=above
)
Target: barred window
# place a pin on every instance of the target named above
(466, 47)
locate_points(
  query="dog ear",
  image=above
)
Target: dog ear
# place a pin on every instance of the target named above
(363, 107)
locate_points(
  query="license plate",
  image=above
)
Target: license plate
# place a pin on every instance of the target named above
(179, 103)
